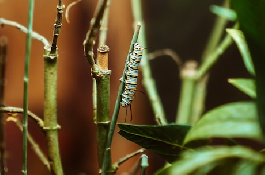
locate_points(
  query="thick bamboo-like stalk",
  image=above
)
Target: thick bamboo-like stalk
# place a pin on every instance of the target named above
(51, 126)
(148, 80)
(3, 50)
(106, 158)
(98, 23)
(25, 93)
(50, 112)
(103, 99)
(188, 77)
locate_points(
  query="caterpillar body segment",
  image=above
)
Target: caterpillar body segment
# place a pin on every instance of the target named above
(131, 76)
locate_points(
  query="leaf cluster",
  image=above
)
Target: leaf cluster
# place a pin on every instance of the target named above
(230, 138)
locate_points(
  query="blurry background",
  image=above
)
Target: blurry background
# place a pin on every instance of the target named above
(183, 26)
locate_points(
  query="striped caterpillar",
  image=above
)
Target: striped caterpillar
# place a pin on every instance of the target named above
(131, 75)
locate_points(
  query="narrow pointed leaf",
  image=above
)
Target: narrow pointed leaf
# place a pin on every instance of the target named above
(232, 120)
(241, 43)
(164, 140)
(245, 85)
(223, 12)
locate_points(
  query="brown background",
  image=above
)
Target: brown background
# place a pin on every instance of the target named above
(180, 25)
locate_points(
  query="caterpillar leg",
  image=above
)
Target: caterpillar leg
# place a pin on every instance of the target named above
(126, 113)
(131, 112)
(122, 80)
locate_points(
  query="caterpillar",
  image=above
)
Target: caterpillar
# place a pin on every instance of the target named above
(131, 75)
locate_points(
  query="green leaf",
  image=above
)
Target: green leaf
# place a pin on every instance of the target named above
(164, 140)
(245, 85)
(239, 38)
(245, 168)
(251, 17)
(194, 161)
(223, 12)
(232, 120)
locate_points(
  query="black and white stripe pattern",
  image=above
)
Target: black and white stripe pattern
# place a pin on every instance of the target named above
(131, 75)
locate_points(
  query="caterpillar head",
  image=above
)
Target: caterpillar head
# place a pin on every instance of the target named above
(137, 46)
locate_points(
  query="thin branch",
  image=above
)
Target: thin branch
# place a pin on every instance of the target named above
(104, 27)
(93, 31)
(3, 50)
(16, 110)
(35, 146)
(22, 28)
(68, 9)
(57, 26)
(213, 57)
(127, 157)
(142, 163)
(148, 80)
(200, 89)
(106, 158)
(166, 52)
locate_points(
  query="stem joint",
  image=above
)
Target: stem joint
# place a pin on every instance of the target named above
(46, 128)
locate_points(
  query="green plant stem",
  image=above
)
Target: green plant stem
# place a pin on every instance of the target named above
(200, 87)
(103, 99)
(188, 76)
(91, 35)
(101, 78)
(102, 41)
(106, 158)
(51, 126)
(148, 80)
(94, 99)
(101, 90)
(3, 50)
(144, 164)
(26, 81)
(213, 57)
(50, 112)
